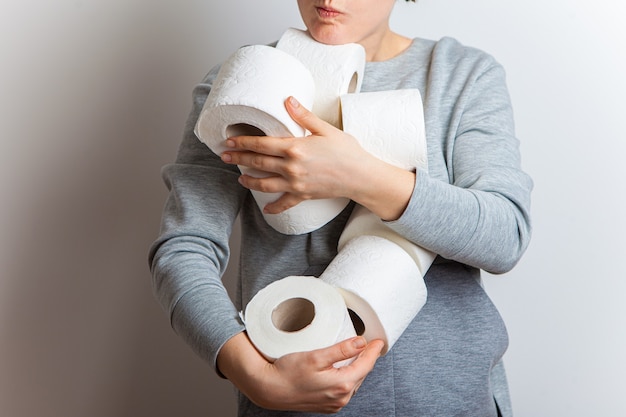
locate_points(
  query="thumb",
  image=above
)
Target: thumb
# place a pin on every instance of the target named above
(342, 351)
(305, 117)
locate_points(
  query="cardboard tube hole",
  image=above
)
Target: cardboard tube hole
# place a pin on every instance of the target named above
(243, 129)
(293, 314)
(358, 324)
(353, 83)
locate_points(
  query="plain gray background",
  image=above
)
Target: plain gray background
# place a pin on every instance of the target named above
(93, 96)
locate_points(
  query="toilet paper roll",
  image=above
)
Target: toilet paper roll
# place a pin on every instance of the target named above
(247, 98)
(336, 69)
(296, 314)
(389, 125)
(380, 283)
(364, 222)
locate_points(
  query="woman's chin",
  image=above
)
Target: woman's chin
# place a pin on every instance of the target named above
(329, 36)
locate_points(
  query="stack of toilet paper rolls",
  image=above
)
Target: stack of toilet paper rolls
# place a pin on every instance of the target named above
(248, 98)
(374, 287)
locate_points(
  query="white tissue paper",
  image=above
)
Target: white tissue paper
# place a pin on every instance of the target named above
(336, 69)
(364, 222)
(297, 314)
(247, 98)
(389, 125)
(381, 283)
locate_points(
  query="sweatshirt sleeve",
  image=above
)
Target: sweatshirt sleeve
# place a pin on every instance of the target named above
(478, 211)
(191, 253)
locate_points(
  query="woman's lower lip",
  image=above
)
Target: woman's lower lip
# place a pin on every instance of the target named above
(326, 13)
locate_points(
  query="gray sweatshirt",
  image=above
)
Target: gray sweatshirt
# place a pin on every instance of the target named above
(471, 208)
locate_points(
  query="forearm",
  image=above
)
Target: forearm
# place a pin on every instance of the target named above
(473, 204)
(188, 286)
(485, 229)
(242, 364)
(382, 188)
(191, 254)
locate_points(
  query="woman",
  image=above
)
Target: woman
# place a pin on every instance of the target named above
(471, 208)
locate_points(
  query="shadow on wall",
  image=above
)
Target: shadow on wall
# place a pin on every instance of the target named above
(81, 334)
(84, 334)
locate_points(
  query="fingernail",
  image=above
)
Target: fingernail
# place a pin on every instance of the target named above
(226, 157)
(359, 343)
(230, 143)
(294, 103)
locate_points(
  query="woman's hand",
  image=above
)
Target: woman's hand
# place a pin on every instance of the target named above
(328, 163)
(305, 381)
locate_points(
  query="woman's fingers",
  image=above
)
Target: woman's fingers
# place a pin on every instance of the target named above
(323, 165)
(259, 152)
(265, 145)
(285, 202)
(365, 353)
(342, 351)
(276, 146)
(305, 117)
(308, 381)
(368, 357)
(282, 156)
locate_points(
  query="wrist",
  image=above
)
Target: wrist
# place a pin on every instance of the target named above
(239, 361)
(385, 190)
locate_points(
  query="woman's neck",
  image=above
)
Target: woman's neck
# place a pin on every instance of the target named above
(386, 47)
